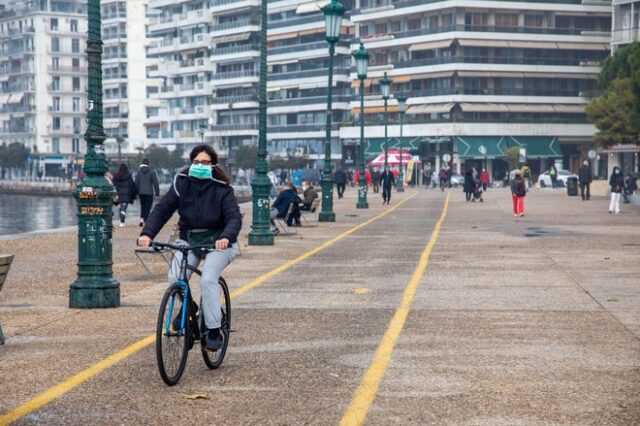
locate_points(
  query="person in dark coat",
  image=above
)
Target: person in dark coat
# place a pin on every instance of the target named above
(585, 177)
(616, 182)
(518, 192)
(280, 206)
(468, 185)
(146, 184)
(126, 189)
(553, 174)
(375, 178)
(387, 181)
(209, 214)
(341, 180)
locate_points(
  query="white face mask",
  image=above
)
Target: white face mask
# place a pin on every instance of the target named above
(617, 172)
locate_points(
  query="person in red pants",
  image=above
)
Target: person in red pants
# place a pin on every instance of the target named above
(518, 192)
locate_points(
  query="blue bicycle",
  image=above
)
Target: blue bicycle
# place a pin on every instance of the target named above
(180, 324)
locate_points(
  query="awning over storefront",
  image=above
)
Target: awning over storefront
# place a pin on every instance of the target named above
(374, 146)
(535, 146)
(479, 147)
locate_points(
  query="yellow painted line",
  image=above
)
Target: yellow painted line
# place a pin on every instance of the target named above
(60, 389)
(366, 392)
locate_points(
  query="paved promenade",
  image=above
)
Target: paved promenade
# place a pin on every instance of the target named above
(428, 311)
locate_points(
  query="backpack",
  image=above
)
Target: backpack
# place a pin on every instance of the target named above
(521, 189)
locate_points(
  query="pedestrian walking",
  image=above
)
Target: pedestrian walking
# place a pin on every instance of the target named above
(146, 185)
(387, 182)
(518, 192)
(484, 179)
(616, 182)
(375, 179)
(341, 180)
(442, 176)
(126, 189)
(468, 185)
(585, 177)
(526, 175)
(553, 174)
(427, 176)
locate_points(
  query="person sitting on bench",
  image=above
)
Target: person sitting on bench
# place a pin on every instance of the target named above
(280, 206)
(308, 195)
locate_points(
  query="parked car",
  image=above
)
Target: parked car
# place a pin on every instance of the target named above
(544, 180)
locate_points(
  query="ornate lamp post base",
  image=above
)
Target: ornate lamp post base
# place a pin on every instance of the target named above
(362, 205)
(94, 293)
(326, 217)
(260, 234)
(327, 214)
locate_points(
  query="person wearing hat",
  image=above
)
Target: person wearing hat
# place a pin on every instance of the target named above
(518, 192)
(585, 178)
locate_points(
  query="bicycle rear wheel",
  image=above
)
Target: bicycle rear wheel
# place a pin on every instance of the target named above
(172, 344)
(213, 360)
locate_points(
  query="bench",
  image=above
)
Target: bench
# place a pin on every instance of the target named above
(311, 212)
(5, 265)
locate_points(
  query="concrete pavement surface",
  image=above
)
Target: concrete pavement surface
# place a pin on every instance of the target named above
(515, 321)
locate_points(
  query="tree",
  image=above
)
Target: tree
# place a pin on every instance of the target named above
(245, 156)
(616, 112)
(512, 156)
(13, 155)
(611, 114)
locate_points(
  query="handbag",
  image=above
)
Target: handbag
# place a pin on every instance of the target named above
(200, 237)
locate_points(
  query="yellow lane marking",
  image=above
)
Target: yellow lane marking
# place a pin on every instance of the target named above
(60, 389)
(366, 392)
(361, 290)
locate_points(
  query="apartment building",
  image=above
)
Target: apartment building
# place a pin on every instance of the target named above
(298, 81)
(483, 76)
(124, 75)
(207, 55)
(626, 22)
(43, 81)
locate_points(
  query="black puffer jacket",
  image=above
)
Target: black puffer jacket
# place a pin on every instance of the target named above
(125, 187)
(201, 204)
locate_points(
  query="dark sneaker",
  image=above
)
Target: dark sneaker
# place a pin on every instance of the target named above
(214, 340)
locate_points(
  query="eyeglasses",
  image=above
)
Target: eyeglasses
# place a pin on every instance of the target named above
(203, 162)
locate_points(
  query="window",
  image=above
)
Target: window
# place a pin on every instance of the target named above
(55, 83)
(55, 63)
(76, 84)
(55, 145)
(506, 20)
(56, 103)
(75, 64)
(73, 25)
(75, 45)
(76, 104)
(77, 123)
(55, 44)
(56, 123)
(75, 142)
(53, 24)
(533, 21)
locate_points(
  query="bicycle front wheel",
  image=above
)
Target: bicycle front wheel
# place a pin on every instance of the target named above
(213, 360)
(172, 342)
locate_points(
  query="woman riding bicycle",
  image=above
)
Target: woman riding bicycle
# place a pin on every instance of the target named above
(209, 213)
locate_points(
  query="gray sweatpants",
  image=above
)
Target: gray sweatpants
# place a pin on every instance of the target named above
(214, 264)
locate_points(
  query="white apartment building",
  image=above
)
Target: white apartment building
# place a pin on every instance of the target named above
(482, 76)
(124, 75)
(207, 54)
(43, 80)
(626, 22)
(298, 81)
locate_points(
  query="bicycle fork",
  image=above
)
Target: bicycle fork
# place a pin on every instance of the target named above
(183, 314)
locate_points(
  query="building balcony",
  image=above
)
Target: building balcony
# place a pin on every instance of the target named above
(398, 4)
(234, 99)
(624, 36)
(494, 60)
(241, 25)
(298, 20)
(233, 127)
(314, 127)
(67, 70)
(308, 73)
(314, 100)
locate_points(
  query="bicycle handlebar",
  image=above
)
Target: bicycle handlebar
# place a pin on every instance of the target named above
(182, 248)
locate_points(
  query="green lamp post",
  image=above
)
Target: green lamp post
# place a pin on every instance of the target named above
(402, 100)
(260, 234)
(94, 287)
(385, 89)
(361, 57)
(333, 13)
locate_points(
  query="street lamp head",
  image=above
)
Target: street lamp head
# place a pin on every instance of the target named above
(362, 61)
(402, 100)
(333, 13)
(385, 86)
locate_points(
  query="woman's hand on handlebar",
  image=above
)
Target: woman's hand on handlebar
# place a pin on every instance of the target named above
(144, 241)
(222, 244)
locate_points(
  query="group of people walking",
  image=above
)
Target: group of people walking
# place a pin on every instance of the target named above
(144, 186)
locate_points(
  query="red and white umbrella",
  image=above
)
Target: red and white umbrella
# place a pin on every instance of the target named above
(393, 158)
